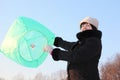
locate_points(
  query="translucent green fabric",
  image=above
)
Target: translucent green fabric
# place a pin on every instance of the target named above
(25, 40)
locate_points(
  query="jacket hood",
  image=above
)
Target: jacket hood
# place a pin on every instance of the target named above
(89, 33)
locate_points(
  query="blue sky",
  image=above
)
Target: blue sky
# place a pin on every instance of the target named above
(62, 17)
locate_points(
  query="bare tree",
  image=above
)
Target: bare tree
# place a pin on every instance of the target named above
(60, 75)
(39, 76)
(111, 69)
(19, 76)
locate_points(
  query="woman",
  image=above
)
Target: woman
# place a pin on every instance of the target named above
(82, 56)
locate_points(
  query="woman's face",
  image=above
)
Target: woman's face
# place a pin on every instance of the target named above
(85, 26)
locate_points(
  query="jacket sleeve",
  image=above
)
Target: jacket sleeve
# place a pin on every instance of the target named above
(83, 54)
(59, 42)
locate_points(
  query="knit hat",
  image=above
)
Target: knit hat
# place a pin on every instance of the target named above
(90, 20)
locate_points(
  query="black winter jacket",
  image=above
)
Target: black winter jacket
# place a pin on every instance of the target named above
(82, 56)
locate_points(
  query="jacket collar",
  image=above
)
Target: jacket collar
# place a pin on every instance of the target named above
(89, 33)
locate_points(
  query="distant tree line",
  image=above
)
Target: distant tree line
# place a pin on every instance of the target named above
(108, 71)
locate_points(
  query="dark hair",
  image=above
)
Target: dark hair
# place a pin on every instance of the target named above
(93, 27)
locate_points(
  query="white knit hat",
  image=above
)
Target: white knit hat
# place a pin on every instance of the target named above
(90, 20)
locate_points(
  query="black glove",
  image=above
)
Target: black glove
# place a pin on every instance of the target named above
(57, 41)
(55, 54)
